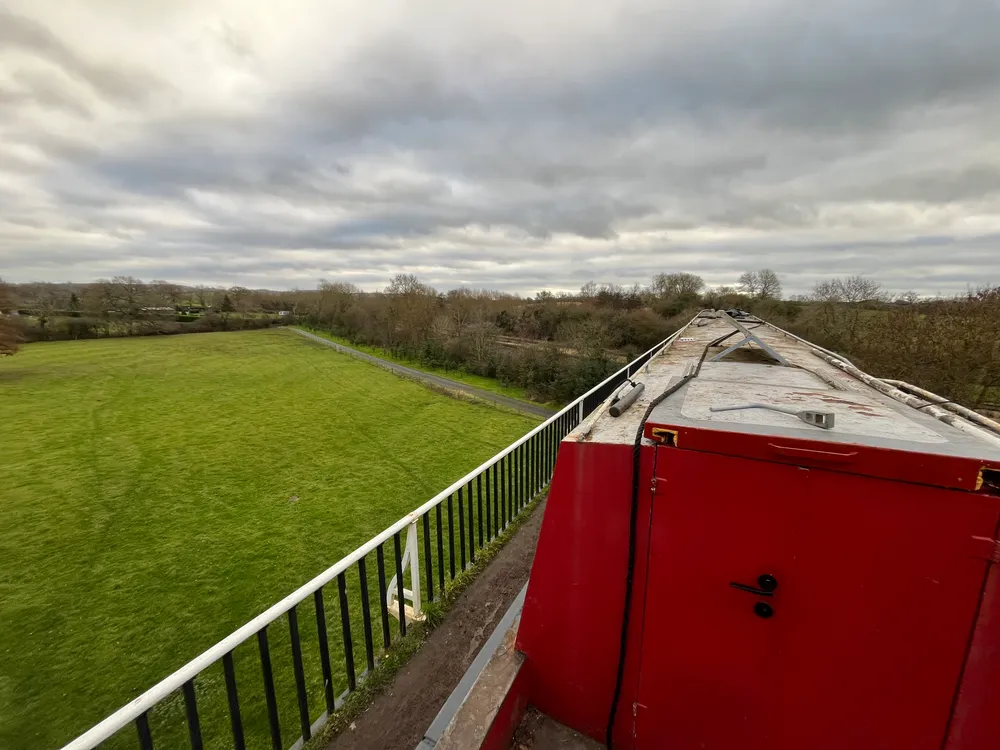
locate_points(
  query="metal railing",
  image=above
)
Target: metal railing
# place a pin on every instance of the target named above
(473, 511)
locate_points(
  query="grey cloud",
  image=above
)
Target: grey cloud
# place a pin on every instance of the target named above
(38, 88)
(775, 138)
(121, 84)
(942, 185)
(834, 66)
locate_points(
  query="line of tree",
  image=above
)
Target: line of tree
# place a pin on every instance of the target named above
(127, 306)
(555, 346)
(10, 336)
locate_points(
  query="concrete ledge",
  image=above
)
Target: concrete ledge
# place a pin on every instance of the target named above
(467, 718)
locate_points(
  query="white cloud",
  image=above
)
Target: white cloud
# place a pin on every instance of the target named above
(510, 145)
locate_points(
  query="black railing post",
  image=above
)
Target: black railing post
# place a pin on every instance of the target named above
(496, 502)
(534, 462)
(528, 469)
(547, 456)
(300, 674)
(440, 546)
(527, 473)
(461, 527)
(382, 596)
(503, 495)
(532, 467)
(489, 515)
(235, 718)
(142, 727)
(536, 450)
(479, 507)
(324, 650)
(518, 478)
(269, 696)
(515, 475)
(191, 709)
(399, 584)
(510, 486)
(546, 447)
(514, 484)
(366, 614)
(345, 626)
(451, 537)
(472, 526)
(428, 568)
(554, 440)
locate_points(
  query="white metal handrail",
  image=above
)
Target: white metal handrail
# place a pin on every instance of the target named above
(161, 690)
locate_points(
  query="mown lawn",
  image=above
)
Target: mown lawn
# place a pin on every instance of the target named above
(157, 493)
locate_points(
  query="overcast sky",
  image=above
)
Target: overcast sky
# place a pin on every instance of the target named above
(511, 145)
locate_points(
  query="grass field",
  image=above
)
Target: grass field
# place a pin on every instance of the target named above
(487, 384)
(159, 492)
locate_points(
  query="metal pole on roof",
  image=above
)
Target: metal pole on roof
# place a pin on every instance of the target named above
(910, 400)
(937, 400)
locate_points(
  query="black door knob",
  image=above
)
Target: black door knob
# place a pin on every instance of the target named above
(763, 609)
(767, 582)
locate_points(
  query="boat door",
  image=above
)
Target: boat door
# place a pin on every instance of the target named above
(790, 608)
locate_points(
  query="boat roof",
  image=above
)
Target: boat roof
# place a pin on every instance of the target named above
(774, 368)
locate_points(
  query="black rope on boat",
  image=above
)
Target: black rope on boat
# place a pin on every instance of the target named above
(633, 519)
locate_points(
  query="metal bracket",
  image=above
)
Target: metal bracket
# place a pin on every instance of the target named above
(814, 417)
(411, 560)
(664, 436)
(748, 338)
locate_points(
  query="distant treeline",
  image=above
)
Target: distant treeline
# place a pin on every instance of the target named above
(126, 306)
(80, 326)
(554, 346)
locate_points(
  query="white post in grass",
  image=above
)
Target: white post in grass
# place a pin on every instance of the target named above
(413, 549)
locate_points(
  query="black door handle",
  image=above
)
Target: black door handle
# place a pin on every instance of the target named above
(767, 583)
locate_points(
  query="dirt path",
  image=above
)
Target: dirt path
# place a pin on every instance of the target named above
(454, 385)
(398, 718)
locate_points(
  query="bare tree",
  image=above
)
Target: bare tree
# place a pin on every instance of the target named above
(44, 301)
(240, 295)
(203, 295)
(165, 293)
(124, 297)
(482, 336)
(407, 283)
(851, 289)
(762, 284)
(411, 311)
(863, 289)
(335, 304)
(828, 291)
(462, 306)
(677, 284)
(770, 284)
(749, 284)
(9, 338)
(226, 309)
